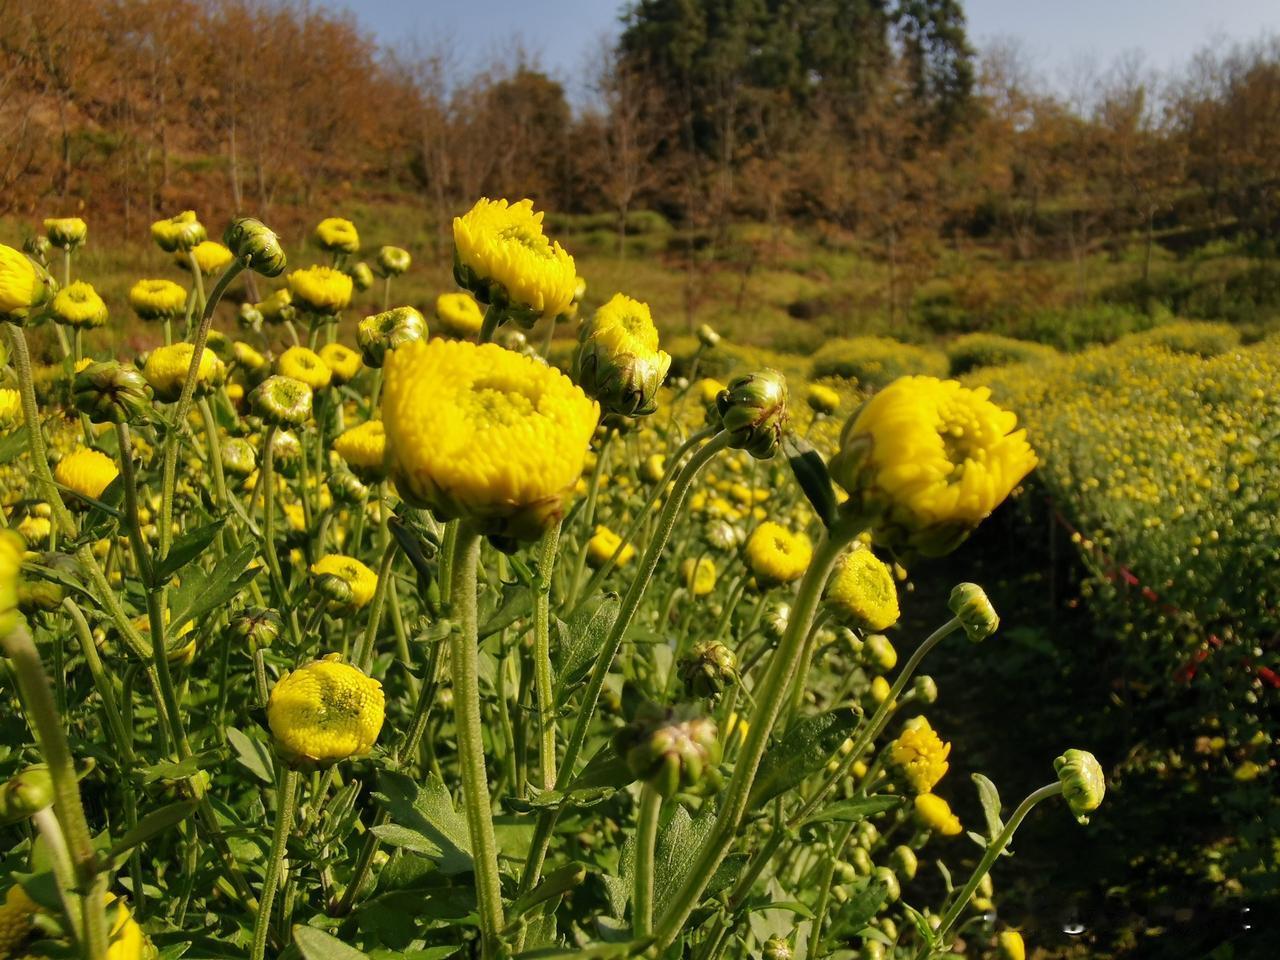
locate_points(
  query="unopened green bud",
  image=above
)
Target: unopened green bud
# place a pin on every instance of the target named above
(879, 653)
(110, 392)
(707, 668)
(871, 950)
(670, 748)
(26, 794)
(256, 245)
(925, 689)
(346, 487)
(39, 596)
(392, 261)
(776, 619)
(250, 360)
(708, 337)
(238, 457)
(361, 276)
(754, 412)
(179, 233)
(509, 338)
(278, 307)
(861, 861)
(282, 400)
(903, 861)
(776, 948)
(66, 233)
(37, 248)
(974, 611)
(334, 589)
(618, 361)
(1083, 783)
(257, 626)
(286, 453)
(383, 332)
(890, 880)
(249, 316)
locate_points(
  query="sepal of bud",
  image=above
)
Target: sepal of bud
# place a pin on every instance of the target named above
(257, 626)
(25, 794)
(256, 245)
(753, 410)
(282, 400)
(109, 392)
(707, 668)
(383, 332)
(776, 948)
(1083, 783)
(670, 748)
(238, 457)
(392, 261)
(973, 609)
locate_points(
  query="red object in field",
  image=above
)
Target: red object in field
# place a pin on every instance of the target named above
(1269, 677)
(1186, 673)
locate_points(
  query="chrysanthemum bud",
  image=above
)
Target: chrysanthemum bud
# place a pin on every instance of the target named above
(670, 748)
(325, 712)
(179, 233)
(723, 535)
(238, 457)
(320, 290)
(282, 400)
(708, 337)
(879, 654)
(334, 589)
(618, 361)
(256, 245)
(971, 607)
(78, 305)
(903, 861)
(1009, 945)
(278, 307)
(890, 880)
(37, 248)
(257, 626)
(383, 332)
(392, 261)
(249, 317)
(1083, 783)
(343, 362)
(39, 596)
(336, 235)
(66, 233)
(286, 453)
(707, 668)
(210, 257)
(25, 794)
(776, 948)
(109, 392)
(925, 689)
(776, 618)
(157, 299)
(361, 276)
(24, 285)
(822, 400)
(359, 579)
(753, 410)
(346, 486)
(863, 594)
(871, 950)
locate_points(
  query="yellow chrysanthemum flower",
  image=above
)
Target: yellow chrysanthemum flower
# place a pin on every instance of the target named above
(343, 362)
(10, 408)
(11, 550)
(485, 433)
(320, 289)
(305, 366)
(1010, 946)
(459, 314)
(325, 711)
(337, 235)
(863, 592)
(86, 472)
(78, 305)
(880, 690)
(935, 813)
(618, 361)
(22, 284)
(166, 370)
(822, 399)
(247, 357)
(157, 299)
(699, 577)
(602, 545)
(707, 389)
(127, 941)
(277, 307)
(362, 581)
(35, 530)
(776, 555)
(66, 232)
(928, 460)
(180, 232)
(16, 914)
(653, 468)
(920, 755)
(363, 448)
(502, 255)
(211, 257)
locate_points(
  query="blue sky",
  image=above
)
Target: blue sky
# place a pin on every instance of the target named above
(1055, 33)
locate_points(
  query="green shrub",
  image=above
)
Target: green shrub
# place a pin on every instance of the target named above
(975, 350)
(1198, 337)
(1074, 328)
(874, 362)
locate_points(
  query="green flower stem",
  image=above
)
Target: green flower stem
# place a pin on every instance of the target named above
(286, 799)
(267, 479)
(824, 888)
(806, 661)
(646, 841)
(493, 317)
(770, 699)
(464, 649)
(588, 518)
(363, 657)
(542, 654)
(47, 725)
(106, 690)
(633, 531)
(604, 659)
(994, 849)
(215, 458)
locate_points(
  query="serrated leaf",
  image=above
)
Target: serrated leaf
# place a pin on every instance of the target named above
(990, 798)
(315, 944)
(851, 811)
(865, 905)
(580, 641)
(811, 473)
(516, 603)
(434, 828)
(170, 770)
(253, 755)
(152, 825)
(187, 548)
(804, 750)
(794, 906)
(200, 592)
(675, 851)
(922, 925)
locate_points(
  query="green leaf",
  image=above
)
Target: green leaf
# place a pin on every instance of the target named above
(171, 770)
(804, 750)
(201, 592)
(675, 851)
(252, 754)
(865, 905)
(13, 444)
(794, 906)
(516, 603)
(990, 798)
(187, 547)
(426, 820)
(812, 475)
(851, 811)
(581, 639)
(152, 825)
(315, 944)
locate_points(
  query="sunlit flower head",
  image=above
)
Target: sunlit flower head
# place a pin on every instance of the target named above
(363, 449)
(935, 813)
(10, 408)
(24, 285)
(86, 472)
(863, 592)
(459, 314)
(325, 711)
(776, 554)
(166, 370)
(305, 366)
(699, 575)
(320, 290)
(78, 305)
(66, 233)
(178, 233)
(920, 755)
(618, 361)
(210, 256)
(362, 581)
(602, 545)
(342, 361)
(337, 235)
(157, 299)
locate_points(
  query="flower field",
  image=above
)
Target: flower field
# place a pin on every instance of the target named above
(337, 626)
